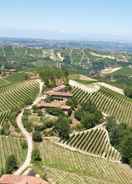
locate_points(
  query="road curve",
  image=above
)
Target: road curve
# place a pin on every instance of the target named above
(28, 138)
(26, 134)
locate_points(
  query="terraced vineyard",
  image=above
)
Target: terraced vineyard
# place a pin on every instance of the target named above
(62, 177)
(23, 52)
(67, 166)
(10, 145)
(95, 141)
(107, 101)
(14, 97)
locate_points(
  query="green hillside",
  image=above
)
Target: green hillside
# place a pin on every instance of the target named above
(109, 102)
(66, 166)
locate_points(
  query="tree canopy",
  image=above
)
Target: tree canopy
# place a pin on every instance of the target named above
(88, 115)
(11, 164)
(62, 127)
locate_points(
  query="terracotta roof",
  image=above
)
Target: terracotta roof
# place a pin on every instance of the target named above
(58, 88)
(61, 94)
(54, 104)
(12, 179)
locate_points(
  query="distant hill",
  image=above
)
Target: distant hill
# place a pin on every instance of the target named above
(82, 60)
(43, 43)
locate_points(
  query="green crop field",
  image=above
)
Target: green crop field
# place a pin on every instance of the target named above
(95, 141)
(66, 166)
(10, 145)
(109, 102)
(15, 97)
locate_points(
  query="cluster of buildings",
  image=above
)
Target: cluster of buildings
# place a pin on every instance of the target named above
(7, 72)
(59, 96)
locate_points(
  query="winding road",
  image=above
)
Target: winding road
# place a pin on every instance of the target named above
(26, 134)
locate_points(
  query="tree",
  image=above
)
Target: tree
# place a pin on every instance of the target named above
(55, 111)
(116, 132)
(88, 115)
(128, 92)
(2, 132)
(121, 139)
(62, 127)
(98, 116)
(36, 155)
(126, 149)
(37, 137)
(72, 103)
(11, 164)
(34, 108)
(88, 120)
(88, 107)
(24, 145)
(78, 115)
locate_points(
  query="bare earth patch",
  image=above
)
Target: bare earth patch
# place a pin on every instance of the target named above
(109, 70)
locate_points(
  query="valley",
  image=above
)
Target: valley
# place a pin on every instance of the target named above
(65, 126)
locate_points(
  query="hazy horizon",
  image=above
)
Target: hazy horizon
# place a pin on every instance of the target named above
(67, 20)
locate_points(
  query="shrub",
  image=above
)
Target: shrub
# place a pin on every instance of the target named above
(55, 111)
(88, 115)
(37, 137)
(62, 127)
(11, 164)
(36, 155)
(128, 92)
(24, 145)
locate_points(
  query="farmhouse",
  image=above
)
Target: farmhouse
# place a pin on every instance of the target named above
(59, 93)
(54, 104)
(56, 98)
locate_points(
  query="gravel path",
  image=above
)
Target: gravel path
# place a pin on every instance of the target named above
(26, 134)
(28, 138)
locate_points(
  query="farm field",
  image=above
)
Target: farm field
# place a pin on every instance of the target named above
(82, 60)
(14, 97)
(88, 156)
(107, 101)
(11, 145)
(75, 166)
(61, 177)
(95, 141)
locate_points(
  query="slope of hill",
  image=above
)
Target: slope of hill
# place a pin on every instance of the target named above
(67, 166)
(84, 60)
(95, 141)
(10, 145)
(107, 101)
(14, 97)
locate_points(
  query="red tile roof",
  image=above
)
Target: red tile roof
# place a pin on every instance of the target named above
(12, 179)
(61, 94)
(54, 104)
(58, 88)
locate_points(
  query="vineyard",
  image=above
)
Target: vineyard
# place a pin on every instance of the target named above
(15, 97)
(107, 101)
(66, 166)
(23, 52)
(62, 177)
(94, 141)
(10, 145)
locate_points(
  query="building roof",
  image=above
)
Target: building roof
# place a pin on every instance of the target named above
(12, 179)
(53, 104)
(59, 88)
(61, 94)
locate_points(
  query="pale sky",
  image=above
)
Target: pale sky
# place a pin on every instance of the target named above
(67, 19)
